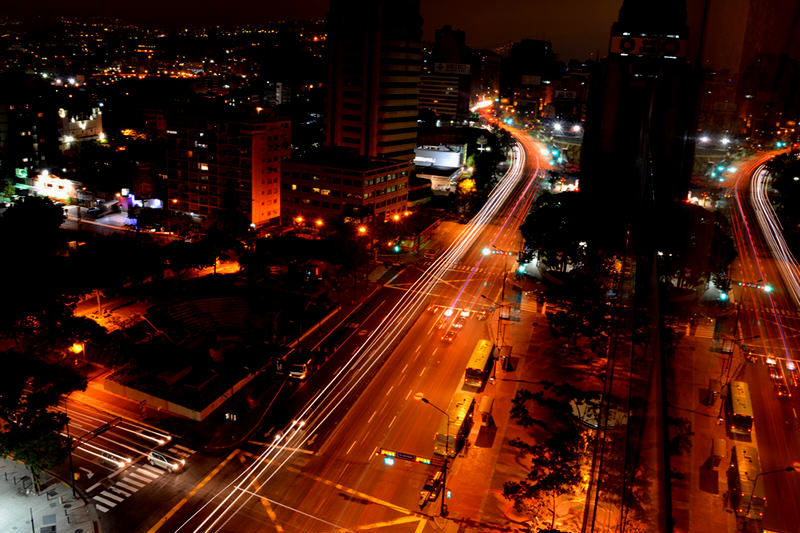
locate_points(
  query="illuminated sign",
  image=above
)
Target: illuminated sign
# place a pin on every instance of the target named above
(461, 69)
(629, 45)
(21, 173)
(53, 186)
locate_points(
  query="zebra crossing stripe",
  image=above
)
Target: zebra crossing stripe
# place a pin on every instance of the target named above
(141, 478)
(127, 487)
(185, 449)
(109, 503)
(150, 471)
(100, 508)
(112, 496)
(136, 483)
(120, 491)
(90, 489)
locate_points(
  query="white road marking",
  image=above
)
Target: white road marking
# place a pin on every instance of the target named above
(106, 502)
(100, 508)
(404, 368)
(422, 371)
(409, 393)
(184, 448)
(350, 448)
(112, 496)
(392, 422)
(150, 471)
(120, 491)
(127, 487)
(136, 483)
(141, 478)
(435, 350)
(90, 489)
(373, 416)
(388, 391)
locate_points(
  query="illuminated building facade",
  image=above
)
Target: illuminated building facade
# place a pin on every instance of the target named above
(209, 157)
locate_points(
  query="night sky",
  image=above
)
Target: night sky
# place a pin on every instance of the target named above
(576, 28)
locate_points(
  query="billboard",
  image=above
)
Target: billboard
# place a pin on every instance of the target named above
(461, 69)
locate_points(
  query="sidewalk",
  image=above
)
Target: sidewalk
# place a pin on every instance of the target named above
(698, 495)
(54, 510)
(476, 480)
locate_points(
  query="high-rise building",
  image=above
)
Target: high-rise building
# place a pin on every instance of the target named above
(375, 56)
(211, 155)
(375, 60)
(445, 89)
(639, 137)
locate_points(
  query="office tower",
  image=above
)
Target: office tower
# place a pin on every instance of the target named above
(375, 60)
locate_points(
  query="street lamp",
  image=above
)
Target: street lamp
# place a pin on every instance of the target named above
(443, 510)
(794, 467)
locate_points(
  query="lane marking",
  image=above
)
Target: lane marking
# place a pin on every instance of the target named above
(184, 448)
(393, 419)
(388, 523)
(90, 489)
(348, 490)
(409, 393)
(100, 508)
(404, 369)
(421, 526)
(390, 389)
(422, 371)
(434, 351)
(264, 501)
(373, 416)
(350, 448)
(197, 487)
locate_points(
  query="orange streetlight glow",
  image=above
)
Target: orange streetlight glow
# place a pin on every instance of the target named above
(299, 219)
(77, 347)
(395, 217)
(318, 222)
(362, 229)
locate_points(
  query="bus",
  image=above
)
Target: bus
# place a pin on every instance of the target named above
(450, 438)
(739, 408)
(747, 496)
(480, 363)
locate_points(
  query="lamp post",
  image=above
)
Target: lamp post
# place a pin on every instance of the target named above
(443, 511)
(794, 467)
(500, 305)
(69, 438)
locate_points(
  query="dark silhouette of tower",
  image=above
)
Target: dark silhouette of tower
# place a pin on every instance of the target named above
(639, 139)
(375, 56)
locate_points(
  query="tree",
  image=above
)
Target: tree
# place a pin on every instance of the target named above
(555, 466)
(29, 391)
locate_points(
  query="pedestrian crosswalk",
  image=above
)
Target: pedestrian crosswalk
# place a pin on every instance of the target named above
(131, 480)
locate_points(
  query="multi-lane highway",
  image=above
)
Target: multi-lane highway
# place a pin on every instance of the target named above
(772, 314)
(320, 471)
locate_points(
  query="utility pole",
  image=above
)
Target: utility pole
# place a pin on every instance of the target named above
(443, 510)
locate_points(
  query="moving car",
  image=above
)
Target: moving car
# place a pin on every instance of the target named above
(450, 335)
(170, 464)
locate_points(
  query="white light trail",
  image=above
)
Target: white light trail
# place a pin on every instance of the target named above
(378, 344)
